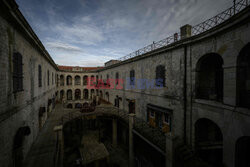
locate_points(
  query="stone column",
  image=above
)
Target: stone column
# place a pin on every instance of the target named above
(114, 132)
(59, 136)
(169, 150)
(131, 142)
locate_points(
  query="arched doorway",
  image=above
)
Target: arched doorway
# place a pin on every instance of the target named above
(243, 77)
(61, 94)
(86, 93)
(69, 94)
(18, 146)
(209, 142)
(242, 152)
(77, 94)
(209, 77)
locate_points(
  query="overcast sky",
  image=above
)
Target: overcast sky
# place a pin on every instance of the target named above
(91, 32)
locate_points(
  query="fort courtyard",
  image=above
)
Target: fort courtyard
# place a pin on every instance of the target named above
(183, 101)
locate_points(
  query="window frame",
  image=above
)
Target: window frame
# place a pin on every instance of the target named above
(17, 74)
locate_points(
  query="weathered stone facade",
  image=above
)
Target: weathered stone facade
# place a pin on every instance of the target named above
(200, 95)
(21, 109)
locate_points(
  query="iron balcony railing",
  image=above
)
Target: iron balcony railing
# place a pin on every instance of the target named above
(197, 29)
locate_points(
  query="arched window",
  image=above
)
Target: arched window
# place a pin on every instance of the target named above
(132, 77)
(77, 80)
(17, 72)
(61, 80)
(61, 94)
(209, 77)
(39, 75)
(86, 93)
(243, 77)
(69, 80)
(85, 80)
(69, 94)
(77, 94)
(160, 76)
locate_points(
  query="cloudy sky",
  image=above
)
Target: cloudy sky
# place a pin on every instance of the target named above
(91, 32)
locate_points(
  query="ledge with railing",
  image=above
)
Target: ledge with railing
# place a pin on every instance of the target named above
(195, 30)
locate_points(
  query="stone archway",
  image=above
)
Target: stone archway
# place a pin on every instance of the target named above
(209, 77)
(18, 156)
(209, 142)
(243, 77)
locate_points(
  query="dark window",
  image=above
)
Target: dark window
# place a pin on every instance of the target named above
(152, 114)
(52, 78)
(17, 72)
(48, 77)
(160, 76)
(85, 80)
(40, 76)
(167, 118)
(209, 77)
(132, 77)
(117, 78)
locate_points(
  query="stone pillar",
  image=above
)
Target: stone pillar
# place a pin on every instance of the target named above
(131, 142)
(114, 132)
(59, 136)
(169, 150)
(186, 31)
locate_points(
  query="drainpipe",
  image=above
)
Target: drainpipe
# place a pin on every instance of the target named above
(186, 32)
(185, 93)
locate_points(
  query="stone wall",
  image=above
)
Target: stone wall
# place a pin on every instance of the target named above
(21, 109)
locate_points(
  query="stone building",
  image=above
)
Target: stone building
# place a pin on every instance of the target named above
(195, 89)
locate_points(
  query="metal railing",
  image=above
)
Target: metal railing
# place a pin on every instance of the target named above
(155, 45)
(197, 29)
(220, 18)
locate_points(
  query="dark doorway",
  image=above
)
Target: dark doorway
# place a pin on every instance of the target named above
(209, 79)
(243, 77)
(18, 146)
(209, 142)
(242, 152)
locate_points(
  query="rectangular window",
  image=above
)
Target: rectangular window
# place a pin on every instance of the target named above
(17, 72)
(48, 77)
(160, 76)
(39, 76)
(52, 78)
(166, 118)
(132, 77)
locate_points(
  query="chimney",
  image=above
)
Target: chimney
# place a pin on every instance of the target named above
(186, 31)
